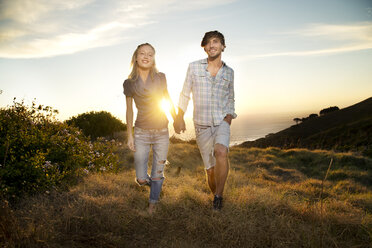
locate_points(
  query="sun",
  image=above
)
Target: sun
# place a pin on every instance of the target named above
(166, 107)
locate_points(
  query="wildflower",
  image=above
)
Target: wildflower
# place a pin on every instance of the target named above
(47, 165)
(86, 171)
(90, 165)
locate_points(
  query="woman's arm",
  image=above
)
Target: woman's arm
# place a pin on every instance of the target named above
(129, 119)
(172, 109)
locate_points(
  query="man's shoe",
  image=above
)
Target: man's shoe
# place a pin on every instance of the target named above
(217, 202)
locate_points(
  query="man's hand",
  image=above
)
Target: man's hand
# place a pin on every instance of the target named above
(130, 143)
(179, 124)
(228, 118)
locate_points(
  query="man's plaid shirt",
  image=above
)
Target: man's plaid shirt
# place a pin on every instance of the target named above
(213, 97)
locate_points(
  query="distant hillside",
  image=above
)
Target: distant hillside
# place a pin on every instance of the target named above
(346, 129)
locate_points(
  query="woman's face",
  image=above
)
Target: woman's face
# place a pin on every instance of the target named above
(145, 57)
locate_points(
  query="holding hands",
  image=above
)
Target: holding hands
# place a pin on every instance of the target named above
(179, 123)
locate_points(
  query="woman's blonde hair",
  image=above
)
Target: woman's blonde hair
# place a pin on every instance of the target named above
(134, 73)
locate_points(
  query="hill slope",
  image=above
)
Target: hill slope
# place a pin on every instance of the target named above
(346, 129)
(273, 198)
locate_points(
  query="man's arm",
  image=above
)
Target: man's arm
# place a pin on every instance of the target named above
(231, 102)
(186, 91)
(179, 123)
(228, 118)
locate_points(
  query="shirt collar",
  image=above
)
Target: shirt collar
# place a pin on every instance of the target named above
(205, 61)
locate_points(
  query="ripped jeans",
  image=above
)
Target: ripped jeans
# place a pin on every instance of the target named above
(143, 140)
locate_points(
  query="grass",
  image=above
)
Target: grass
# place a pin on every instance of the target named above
(272, 199)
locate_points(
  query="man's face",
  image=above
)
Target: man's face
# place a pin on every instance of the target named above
(214, 48)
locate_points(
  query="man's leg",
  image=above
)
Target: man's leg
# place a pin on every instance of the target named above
(211, 180)
(205, 141)
(221, 168)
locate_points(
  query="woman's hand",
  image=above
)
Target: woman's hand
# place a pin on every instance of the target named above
(130, 143)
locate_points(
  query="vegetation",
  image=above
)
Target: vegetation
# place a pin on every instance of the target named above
(328, 110)
(273, 198)
(347, 129)
(311, 116)
(39, 153)
(173, 139)
(97, 124)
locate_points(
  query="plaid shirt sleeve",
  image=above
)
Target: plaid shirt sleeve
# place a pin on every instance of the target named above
(186, 91)
(231, 102)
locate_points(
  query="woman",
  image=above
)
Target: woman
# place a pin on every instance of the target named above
(147, 87)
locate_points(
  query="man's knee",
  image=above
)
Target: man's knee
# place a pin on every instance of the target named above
(220, 151)
(210, 171)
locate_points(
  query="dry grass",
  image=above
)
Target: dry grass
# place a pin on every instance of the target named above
(271, 200)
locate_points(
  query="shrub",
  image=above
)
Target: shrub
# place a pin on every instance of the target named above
(38, 152)
(97, 124)
(174, 140)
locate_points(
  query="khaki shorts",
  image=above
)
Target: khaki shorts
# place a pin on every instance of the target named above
(207, 137)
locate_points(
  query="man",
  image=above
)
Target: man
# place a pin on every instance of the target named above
(211, 83)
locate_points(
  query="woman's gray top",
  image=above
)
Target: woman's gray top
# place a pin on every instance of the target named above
(147, 97)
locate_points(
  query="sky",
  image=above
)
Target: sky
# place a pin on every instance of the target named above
(290, 57)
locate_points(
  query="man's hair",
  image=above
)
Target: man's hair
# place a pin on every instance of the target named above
(213, 34)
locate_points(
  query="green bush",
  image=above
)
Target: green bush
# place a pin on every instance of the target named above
(97, 124)
(37, 152)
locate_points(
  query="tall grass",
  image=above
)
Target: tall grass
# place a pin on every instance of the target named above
(271, 200)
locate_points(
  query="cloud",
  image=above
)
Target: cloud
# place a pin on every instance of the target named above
(343, 38)
(43, 28)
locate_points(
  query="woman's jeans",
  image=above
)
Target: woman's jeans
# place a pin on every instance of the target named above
(143, 140)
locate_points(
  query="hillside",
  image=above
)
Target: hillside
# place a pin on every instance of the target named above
(273, 198)
(346, 129)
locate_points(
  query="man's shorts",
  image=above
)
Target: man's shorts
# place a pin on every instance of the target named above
(207, 137)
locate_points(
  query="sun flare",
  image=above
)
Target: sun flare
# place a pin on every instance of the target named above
(165, 106)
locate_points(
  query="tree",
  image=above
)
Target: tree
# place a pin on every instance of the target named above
(313, 116)
(328, 110)
(297, 120)
(97, 124)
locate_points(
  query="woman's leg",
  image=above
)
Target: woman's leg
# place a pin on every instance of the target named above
(141, 155)
(160, 151)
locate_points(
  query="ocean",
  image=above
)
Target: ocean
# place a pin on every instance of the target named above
(245, 128)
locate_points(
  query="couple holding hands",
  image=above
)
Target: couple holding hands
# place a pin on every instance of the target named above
(211, 83)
